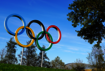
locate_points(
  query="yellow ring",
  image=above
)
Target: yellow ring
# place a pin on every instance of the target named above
(32, 41)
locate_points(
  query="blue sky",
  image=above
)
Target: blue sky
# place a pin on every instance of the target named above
(49, 12)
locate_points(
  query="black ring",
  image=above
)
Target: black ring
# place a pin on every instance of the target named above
(30, 34)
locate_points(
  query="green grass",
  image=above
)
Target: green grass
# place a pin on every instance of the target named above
(11, 67)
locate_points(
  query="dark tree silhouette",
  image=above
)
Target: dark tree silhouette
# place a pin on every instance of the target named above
(2, 55)
(91, 15)
(10, 57)
(29, 55)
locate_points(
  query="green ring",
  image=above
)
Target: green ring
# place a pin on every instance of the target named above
(38, 44)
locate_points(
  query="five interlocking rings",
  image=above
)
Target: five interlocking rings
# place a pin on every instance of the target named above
(31, 34)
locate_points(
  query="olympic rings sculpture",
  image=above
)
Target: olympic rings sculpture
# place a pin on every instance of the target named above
(32, 35)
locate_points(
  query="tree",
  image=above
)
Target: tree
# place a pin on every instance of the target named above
(91, 15)
(29, 55)
(46, 62)
(10, 57)
(57, 63)
(96, 58)
(2, 55)
(104, 55)
(78, 65)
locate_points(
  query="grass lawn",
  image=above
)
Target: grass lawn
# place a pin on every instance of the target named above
(11, 67)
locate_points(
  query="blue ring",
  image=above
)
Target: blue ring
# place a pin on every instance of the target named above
(6, 27)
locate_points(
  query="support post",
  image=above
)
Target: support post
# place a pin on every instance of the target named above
(22, 56)
(42, 59)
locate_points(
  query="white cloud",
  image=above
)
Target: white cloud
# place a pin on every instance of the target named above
(84, 53)
(77, 42)
(72, 37)
(4, 38)
(68, 51)
(68, 46)
(59, 45)
(75, 52)
(52, 49)
(73, 48)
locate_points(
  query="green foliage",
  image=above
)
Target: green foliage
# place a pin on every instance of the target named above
(90, 14)
(57, 63)
(10, 57)
(29, 55)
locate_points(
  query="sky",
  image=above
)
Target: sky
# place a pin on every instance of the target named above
(49, 12)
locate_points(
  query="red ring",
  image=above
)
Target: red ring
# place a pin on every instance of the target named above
(58, 31)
